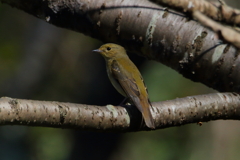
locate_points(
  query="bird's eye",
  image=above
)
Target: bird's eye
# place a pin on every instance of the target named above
(108, 48)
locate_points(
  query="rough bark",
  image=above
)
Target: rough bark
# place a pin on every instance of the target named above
(149, 30)
(194, 109)
(216, 11)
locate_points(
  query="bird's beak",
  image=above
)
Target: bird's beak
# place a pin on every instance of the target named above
(97, 50)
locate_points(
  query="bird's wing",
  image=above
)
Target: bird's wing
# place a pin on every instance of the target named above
(128, 83)
(131, 89)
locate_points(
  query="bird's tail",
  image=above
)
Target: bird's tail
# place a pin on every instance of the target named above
(143, 106)
(147, 115)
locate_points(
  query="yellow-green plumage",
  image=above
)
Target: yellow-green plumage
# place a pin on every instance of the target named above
(127, 79)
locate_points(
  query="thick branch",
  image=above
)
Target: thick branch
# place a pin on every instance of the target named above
(176, 112)
(149, 30)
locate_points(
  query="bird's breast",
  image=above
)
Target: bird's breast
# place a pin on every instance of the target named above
(113, 80)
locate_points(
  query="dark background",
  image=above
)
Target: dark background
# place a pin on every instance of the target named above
(42, 62)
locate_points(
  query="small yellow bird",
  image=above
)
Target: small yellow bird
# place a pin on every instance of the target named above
(126, 78)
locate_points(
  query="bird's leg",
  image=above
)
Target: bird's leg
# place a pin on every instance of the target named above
(124, 100)
(127, 101)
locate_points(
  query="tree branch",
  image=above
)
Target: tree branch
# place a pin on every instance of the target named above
(194, 109)
(153, 32)
(220, 12)
(226, 33)
(149, 30)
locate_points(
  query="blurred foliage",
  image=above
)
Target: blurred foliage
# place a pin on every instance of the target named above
(41, 61)
(48, 143)
(165, 83)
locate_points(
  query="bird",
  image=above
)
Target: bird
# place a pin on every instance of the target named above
(127, 79)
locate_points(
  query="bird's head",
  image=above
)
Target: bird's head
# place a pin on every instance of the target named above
(111, 50)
